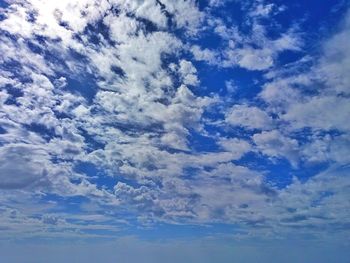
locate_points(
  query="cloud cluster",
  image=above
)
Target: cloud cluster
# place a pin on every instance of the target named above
(253, 49)
(109, 90)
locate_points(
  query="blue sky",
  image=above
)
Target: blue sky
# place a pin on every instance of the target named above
(174, 131)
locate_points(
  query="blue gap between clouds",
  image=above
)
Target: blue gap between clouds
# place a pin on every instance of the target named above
(101, 178)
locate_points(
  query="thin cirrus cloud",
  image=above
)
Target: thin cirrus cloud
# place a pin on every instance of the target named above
(118, 117)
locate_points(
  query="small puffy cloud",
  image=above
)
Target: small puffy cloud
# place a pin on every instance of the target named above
(207, 55)
(280, 93)
(262, 10)
(81, 111)
(175, 140)
(231, 86)
(274, 144)
(249, 117)
(234, 145)
(249, 58)
(128, 193)
(188, 73)
(149, 10)
(262, 57)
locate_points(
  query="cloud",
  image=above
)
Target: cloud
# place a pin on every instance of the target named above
(263, 57)
(307, 114)
(30, 166)
(254, 50)
(235, 145)
(274, 144)
(335, 62)
(314, 100)
(102, 102)
(188, 73)
(249, 117)
(251, 59)
(207, 55)
(317, 201)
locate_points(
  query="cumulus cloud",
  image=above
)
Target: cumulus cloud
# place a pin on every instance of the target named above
(95, 91)
(29, 169)
(307, 114)
(248, 117)
(274, 144)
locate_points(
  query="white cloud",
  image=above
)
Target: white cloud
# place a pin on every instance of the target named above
(262, 10)
(320, 113)
(240, 147)
(121, 27)
(249, 117)
(187, 15)
(251, 59)
(275, 144)
(315, 100)
(335, 60)
(319, 201)
(207, 55)
(136, 124)
(149, 10)
(261, 58)
(188, 73)
(231, 86)
(254, 51)
(279, 93)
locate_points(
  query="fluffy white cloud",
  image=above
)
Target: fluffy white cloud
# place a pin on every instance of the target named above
(275, 144)
(261, 58)
(188, 73)
(249, 117)
(320, 113)
(240, 147)
(207, 55)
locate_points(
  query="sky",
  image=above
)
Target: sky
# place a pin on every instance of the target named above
(212, 131)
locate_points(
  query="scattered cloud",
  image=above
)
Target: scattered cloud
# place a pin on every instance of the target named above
(249, 117)
(106, 110)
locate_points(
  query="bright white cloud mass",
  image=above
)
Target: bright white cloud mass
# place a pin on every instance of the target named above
(174, 131)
